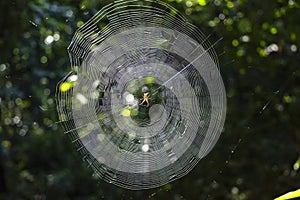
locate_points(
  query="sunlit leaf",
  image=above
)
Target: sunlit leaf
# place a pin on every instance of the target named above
(65, 86)
(289, 195)
(126, 112)
(202, 2)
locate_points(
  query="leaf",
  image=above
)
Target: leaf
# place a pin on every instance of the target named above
(202, 2)
(289, 195)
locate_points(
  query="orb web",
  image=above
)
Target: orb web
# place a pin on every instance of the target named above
(130, 52)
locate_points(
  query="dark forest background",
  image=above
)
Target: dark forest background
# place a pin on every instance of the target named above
(257, 155)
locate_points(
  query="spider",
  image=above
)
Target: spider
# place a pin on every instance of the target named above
(146, 99)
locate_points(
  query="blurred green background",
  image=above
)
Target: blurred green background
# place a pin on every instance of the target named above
(257, 155)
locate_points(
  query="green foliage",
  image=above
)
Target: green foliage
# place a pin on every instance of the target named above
(255, 158)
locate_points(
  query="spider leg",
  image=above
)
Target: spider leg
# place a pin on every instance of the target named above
(143, 101)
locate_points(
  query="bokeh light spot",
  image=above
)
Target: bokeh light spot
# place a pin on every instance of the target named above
(235, 43)
(273, 30)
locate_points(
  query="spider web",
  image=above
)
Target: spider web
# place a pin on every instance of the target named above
(127, 49)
